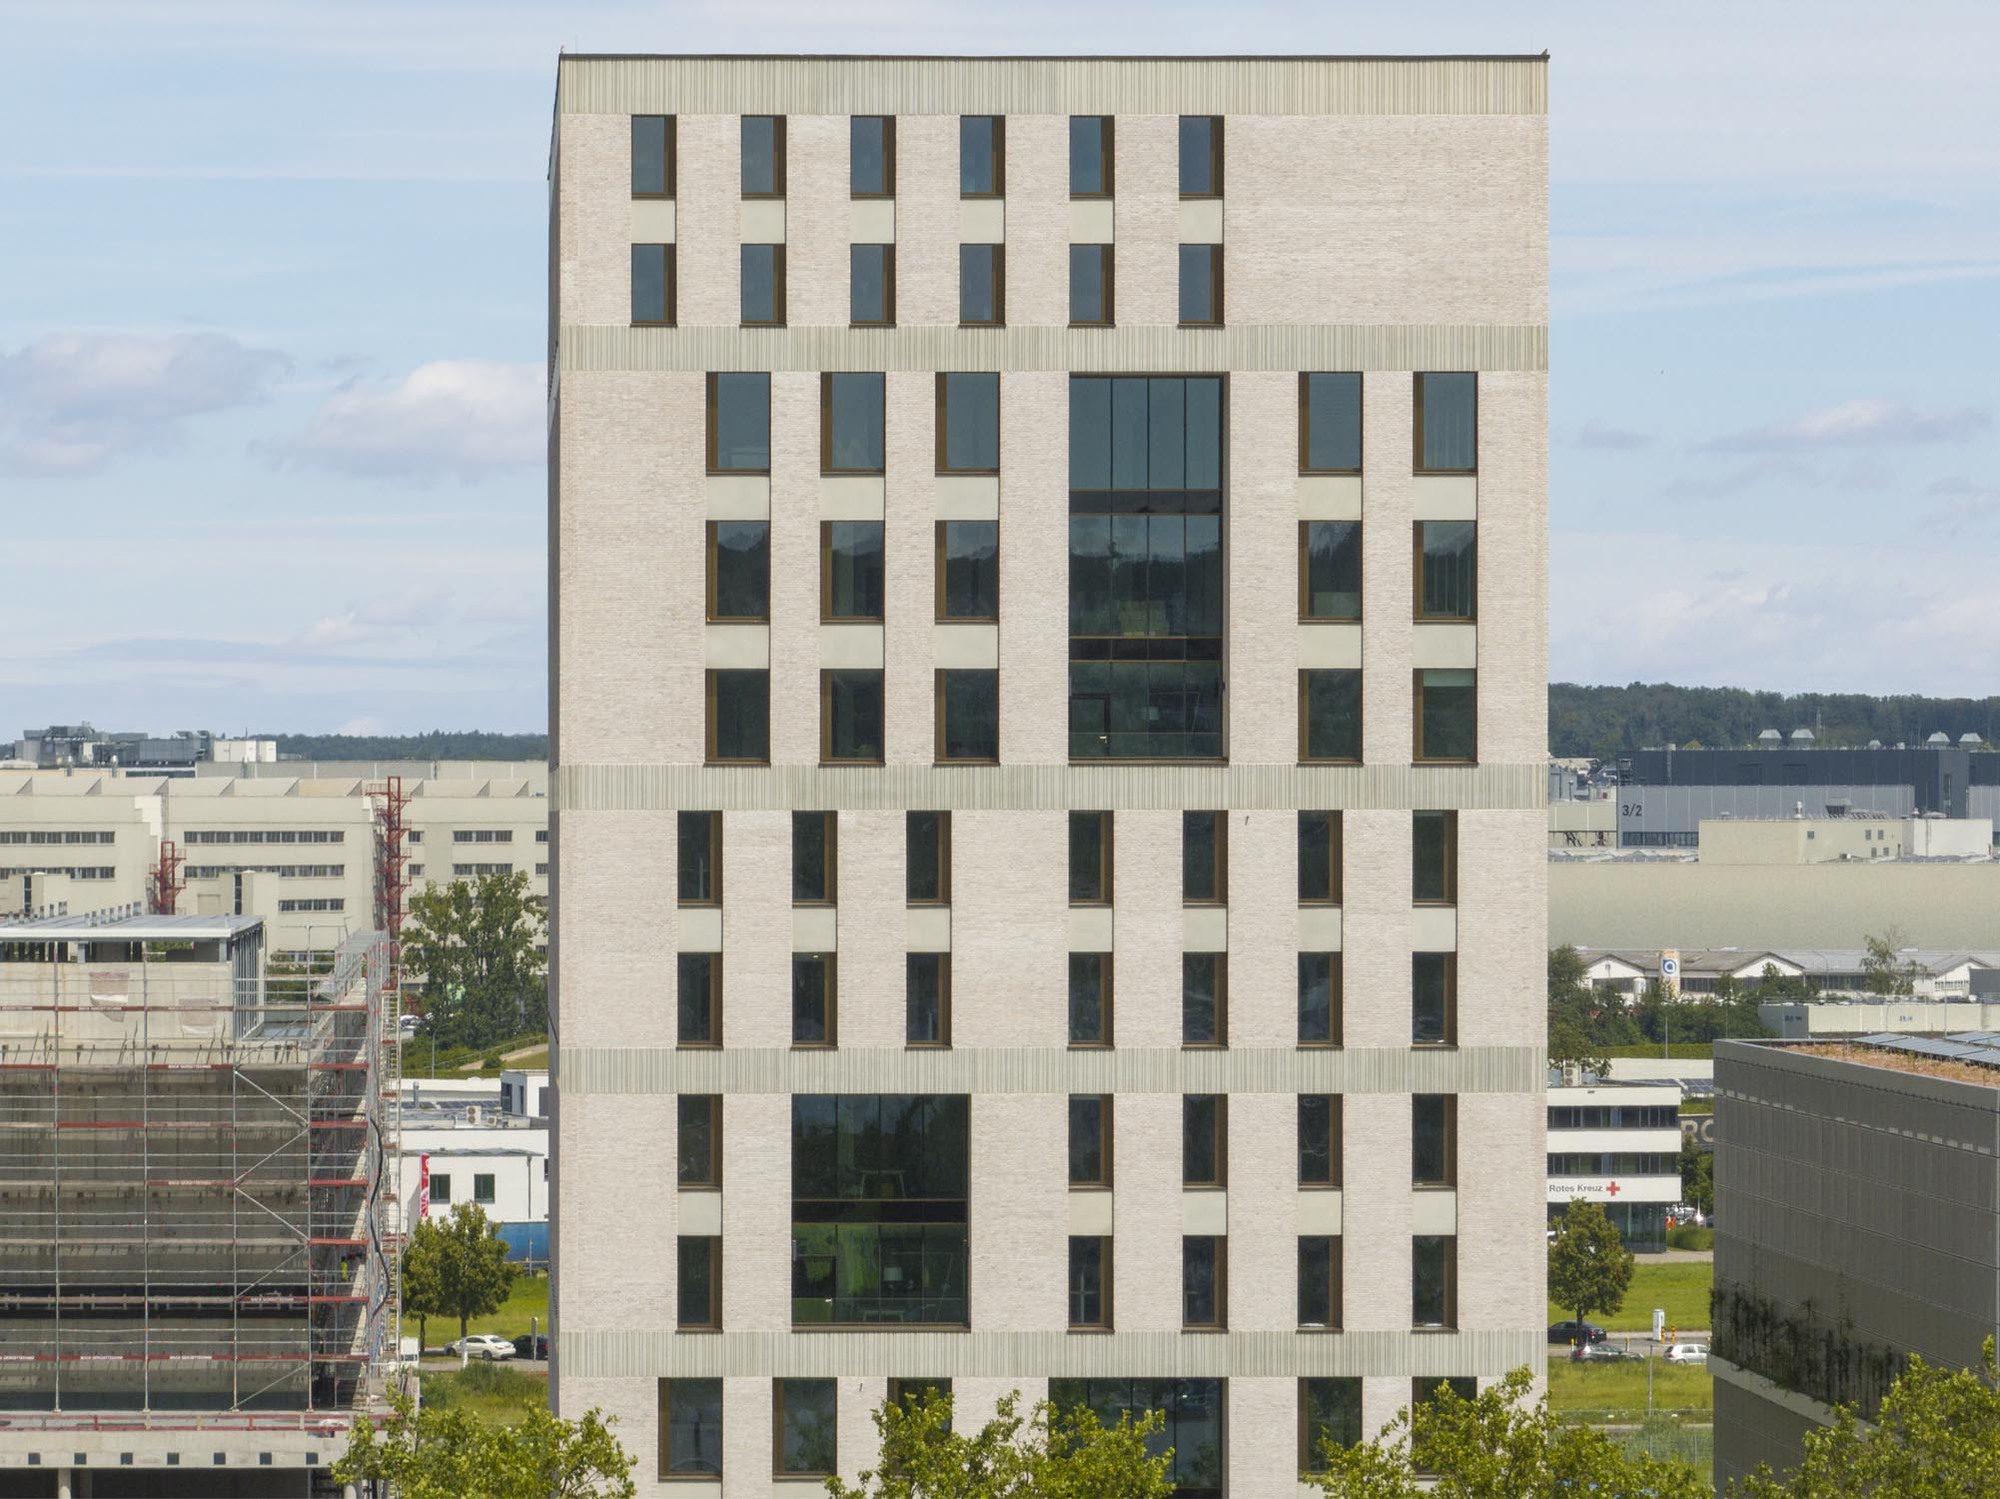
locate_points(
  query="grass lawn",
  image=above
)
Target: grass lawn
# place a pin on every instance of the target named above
(1618, 1391)
(1680, 1290)
(494, 1393)
(534, 1061)
(529, 1298)
(1681, 1051)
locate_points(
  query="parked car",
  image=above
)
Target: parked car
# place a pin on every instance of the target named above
(488, 1345)
(1572, 1331)
(532, 1345)
(1603, 1353)
(1686, 1353)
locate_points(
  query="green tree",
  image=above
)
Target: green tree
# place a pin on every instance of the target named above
(465, 1259)
(423, 1280)
(474, 944)
(1047, 1454)
(1883, 971)
(1570, 1046)
(1937, 1436)
(451, 1454)
(1498, 1445)
(1697, 1177)
(1590, 1269)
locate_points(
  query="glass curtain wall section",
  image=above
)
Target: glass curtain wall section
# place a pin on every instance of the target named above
(879, 1190)
(1146, 570)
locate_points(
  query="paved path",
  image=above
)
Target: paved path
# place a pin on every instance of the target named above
(1679, 1257)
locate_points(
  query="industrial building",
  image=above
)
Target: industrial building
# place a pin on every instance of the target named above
(1015, 523)
(69, 746)
(483, 1141)
(1856, 1209)
(198, 1227)
(1618, 1145)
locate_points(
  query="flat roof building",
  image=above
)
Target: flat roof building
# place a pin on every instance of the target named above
(1048, 661)
(1617, 1144)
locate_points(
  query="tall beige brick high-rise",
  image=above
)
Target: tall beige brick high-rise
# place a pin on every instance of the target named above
(749, 620)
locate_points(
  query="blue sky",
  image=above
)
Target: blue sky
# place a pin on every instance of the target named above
(271, 317)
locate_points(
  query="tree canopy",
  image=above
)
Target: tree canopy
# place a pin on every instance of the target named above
(1601, 721)
(1590, 1269)
(1050, 1453)
(456, 1267)
(438, 744)
(1497, 1445)
(474, 942)
(451, 1454)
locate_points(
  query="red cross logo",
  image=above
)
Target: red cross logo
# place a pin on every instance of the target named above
(1612, 1189)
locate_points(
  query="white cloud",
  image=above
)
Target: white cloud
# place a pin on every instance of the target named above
(460, 417)
(1855, 424)
(1595, 434)
(71, 403)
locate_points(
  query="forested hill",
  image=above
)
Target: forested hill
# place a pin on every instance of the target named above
(1600, 721)
(438, 744)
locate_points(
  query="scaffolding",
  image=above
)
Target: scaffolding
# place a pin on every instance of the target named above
(197, 1175)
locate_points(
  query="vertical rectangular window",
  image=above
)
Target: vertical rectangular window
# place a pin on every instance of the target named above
(1320, 1005)
(1090, 1282)
(1090, 156)
(698, 1302)
(1319, 1281)
(739, 570)
(803, 1425)
(927, 858)
(813, 1006)
(739, 717)
(1434, 999)
(698, 843)
(927, 999)
(1330, 716)
(1204, 999)
(912, 1393)
(1201, 285)
(850, 716)
(1329, 1416)
(1446, 424)
(653, 286)
(852, 580)
(482, 1188)
(700, 975)
(1090, 286)
(871, 156)
(968, 570)
(1447, 567)
(1204, 858)
(982, 286)
(698, 1133)
(1434, 1140)
(1090, 1139)
(851, 425)
(1434, 858)
(871, 286)
(968, 423)
(982, 156)
(1204, 1280)
(1434, 1281)
(1319, 1139)
(690, 1428)
(1204, 1140)
(1329, 423)
(440, 1187)
(763, 156)
(652, 156)
(1090, 999)
(815, 858)
(1090, 858)
(739, 423)
(968, 716)
(763, 285)
(1319, 858)
(1201, 156)
(1447, 716)
(1329, 569)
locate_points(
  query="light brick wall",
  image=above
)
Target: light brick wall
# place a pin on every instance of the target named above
(1034, 568)
(707, 222)
(818, 221)
(909, 540)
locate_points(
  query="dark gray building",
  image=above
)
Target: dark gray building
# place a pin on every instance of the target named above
(1857, 1210)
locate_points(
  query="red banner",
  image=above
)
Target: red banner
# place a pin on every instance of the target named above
(424, 1187)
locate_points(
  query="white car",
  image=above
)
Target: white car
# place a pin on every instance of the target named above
(486, 1345)
(1686, 1353)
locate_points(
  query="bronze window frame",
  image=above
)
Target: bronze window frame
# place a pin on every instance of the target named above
(1417, 611)
(1306, 616)
(714, 859)
(939, 730)
(1221, 1041)
(714, 964)
(826, 755)
(826, 468)
(713, 1322)
(1106, 883)
(997, 255)
(1450, 897)
(1336, 856)
(672, 157)
(1216, 317)
(714, 616)
(1107, 1172)
(1450, 1322)
(830, 841)
(1450, 1041)
(1108, 126)
(779, 1472)
(1220, 1322)
(1417, 755)
(1108, 264)
(1107, 973)
(712, 1180)
(888, 160)
(1221, 1145)
(943, 403)
(671, 289)
(1216, 185)
(999, 189)
(714, 428)
(778, 133)
(830, 992)
(1417, 423)
(708, 727)
(1305, 720)
(1336, 1145)
(943, 1043)
(938, 561)
(827, 616)
(1336, 999)
(777, 319)
(1107, 1247)
(665, 1455)
(1335, 1292)
(1305, 425)
(943, 898)
(1449, 1181)
(1219, 858)
(888, 318)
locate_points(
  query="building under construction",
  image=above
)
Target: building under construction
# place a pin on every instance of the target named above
(198, 1221)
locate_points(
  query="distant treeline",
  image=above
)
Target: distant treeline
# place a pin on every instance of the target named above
(438, 744)
(1600, 721)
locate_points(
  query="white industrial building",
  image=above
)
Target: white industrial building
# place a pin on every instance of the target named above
(483, 1141)
(1617, 1144)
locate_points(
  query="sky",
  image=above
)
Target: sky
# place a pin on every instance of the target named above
(272, 284)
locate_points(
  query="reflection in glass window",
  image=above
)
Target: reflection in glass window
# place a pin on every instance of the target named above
(652, 156)
(1319, 1281)
(853, 563)
(1433, 999)
(852, 435)
(813, 1015)
(982, 291)
(700, 998)
(1090, 272)
(739, 717)
(1329, 423)
(853, 716)
(653, 284)
(1090, 858)
(1434, 1281)
(1201, 156)
(968, 569)
(927, 999)
(807, 1421)
(1330, 569)
(1330, 715)
(815, 850)
(1447, 713)
(1329, 1414)
(1089, 1281)
(1204, 1280)
(1090, 1140)
(1090, 999)
(1447, 423)
(739, 423)
(969, 423)
(1204, 1000)
(981, 149)
(1201, 284)
(871, 281)
(1434, 858)
(1193, 1431)
(927, 858)
(739, 569)
(1319, 999)
(1204, 1131)
(1447, 569)
(763, 285)
(698, 840)
(968, 713)
(1319, 1140)
(690, 1427)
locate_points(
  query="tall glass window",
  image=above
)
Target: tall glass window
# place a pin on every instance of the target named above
(1319, 1281)
(1330, 715)
(1330, 569)
(652, 156)
(1319, 858)
(851, 715)
(968, 569)
(1204, 999)
(763, 156)
(1146, 513)
(851, 423)
(1201, 284)
(968, 715)
(1319, 1139)
(982, 156)
(1194, 1429)
(871, 285)
(1319, 999)
(1090, 286)
(1447, 714)
(871, 156)
(739, 423)
(1201, 156)
(1434, 1140)
(851, 570)
(739, 717)
(739, 569)
(927, 865)
(1089, 1281)
(1090, 999)
(1434, 858)
(763, 285)
(1447, 569)
(699, 839)
(1090, 1140)
(879, 1209)
(1434, 1281)
(1329, 1414)
(815, 858)
(982, 285)
(653, 285)
(805, 1421)
(700, 998)
(1434, 999)
(968, 423)
(1090, 138)
(1329, 424)
(690, 1428)
(1447, 424)
(927, 999)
